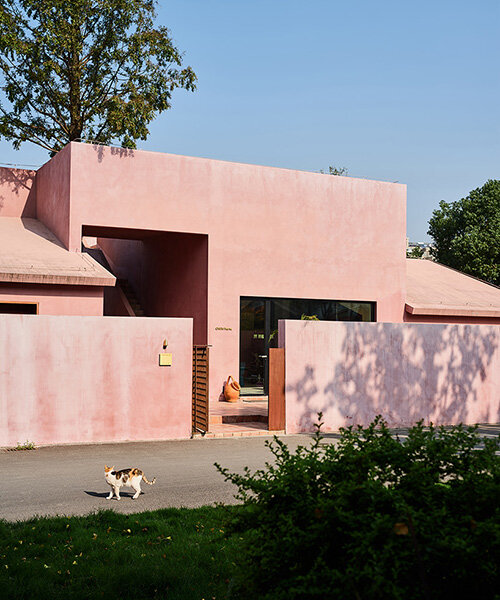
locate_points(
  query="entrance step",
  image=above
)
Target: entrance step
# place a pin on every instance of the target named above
(242, 429)
(217, 419)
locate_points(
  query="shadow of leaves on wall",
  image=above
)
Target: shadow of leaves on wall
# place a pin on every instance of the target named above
(405, 373)
(18, 181)
(101, 149)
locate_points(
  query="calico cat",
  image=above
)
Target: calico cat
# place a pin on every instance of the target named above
(129, 477)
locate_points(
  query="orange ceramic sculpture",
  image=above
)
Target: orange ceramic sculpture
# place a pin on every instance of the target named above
(231, 390)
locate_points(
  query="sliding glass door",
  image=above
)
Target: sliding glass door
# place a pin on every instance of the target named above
(259, 330)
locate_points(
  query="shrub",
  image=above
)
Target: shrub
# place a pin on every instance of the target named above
(373, 516)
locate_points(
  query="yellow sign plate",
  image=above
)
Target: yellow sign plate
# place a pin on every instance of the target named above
(166, 359)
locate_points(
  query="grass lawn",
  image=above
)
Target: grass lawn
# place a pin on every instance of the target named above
(169, 553)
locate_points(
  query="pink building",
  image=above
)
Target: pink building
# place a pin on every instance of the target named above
(116, 232)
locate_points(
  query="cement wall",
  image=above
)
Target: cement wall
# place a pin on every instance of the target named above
(53, 184)
(17, 192)
(56, 299)
(351, 372)
(93, 379)
(271, 232)
(168, 273)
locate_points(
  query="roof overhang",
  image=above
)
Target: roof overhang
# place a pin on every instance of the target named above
(441, 310)
(31, 254)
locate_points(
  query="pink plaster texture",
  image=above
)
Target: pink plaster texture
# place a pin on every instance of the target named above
(438, 293)
(56, 300)
(93, 379)
(351, 372)
(53, 181)
(36, 268)
(168, 272)
(268, 232)
(17, 193)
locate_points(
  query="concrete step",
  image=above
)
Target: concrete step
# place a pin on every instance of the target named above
(237, 418)
(238, 430)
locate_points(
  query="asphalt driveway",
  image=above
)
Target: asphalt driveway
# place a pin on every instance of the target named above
(69, 480)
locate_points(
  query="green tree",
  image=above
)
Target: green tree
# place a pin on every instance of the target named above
(335, 171)
(415, 252)
(94, 69)
(467, 233)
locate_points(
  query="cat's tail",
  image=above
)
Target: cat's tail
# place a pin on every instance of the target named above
(145, 479)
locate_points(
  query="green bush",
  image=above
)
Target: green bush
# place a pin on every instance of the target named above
(372, 516)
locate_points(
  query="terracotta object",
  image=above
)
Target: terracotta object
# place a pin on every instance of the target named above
(231, 390)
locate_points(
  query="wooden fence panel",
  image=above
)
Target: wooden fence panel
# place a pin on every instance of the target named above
(200, 389)
(276, 389)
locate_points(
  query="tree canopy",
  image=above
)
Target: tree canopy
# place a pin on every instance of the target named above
(93, 69)
(467, 233)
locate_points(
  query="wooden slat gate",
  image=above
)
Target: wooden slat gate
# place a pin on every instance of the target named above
(276, 406)
(200, 389)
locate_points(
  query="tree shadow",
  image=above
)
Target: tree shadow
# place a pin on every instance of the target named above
(100, 149)
(20, 181)
(438, 373)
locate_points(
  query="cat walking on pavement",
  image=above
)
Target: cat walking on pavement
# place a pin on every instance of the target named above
(126, 477)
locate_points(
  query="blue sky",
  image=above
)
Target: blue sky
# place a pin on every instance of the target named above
(396, 91)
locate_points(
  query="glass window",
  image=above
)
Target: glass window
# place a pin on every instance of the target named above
(259, 330)
(18, 308)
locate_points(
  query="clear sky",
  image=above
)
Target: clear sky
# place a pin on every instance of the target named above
(392, 90)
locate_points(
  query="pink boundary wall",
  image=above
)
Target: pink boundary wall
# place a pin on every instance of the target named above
(71, 379)
(447, 374)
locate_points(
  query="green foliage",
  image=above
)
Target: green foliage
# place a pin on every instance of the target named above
(303, 317)
(372, 517)
(169, 553)
(467, 233)
(335, 171)
(415, 252)
(26, 446)
(90, 69)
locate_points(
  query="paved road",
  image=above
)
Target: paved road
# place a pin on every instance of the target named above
(69, 480)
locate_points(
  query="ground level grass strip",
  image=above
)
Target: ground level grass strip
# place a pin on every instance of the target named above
(169, 553)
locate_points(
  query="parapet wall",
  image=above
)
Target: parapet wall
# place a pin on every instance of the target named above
(351, 372)
(17, 192)
(68, 379)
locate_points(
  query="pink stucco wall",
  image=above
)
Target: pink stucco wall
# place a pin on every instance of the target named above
(53, 196)
(56, 299)
(351, 372)
(175, 279)
(271, 232)
(168, 273)
(17, 192)
(93, 379)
